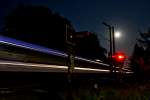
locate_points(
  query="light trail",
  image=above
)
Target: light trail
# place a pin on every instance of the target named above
(13, 42)
(22, 44)
(35, 65)
(91, 69)
(129, 72)
(92, 61)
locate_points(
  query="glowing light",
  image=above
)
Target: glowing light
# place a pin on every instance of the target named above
(119, 57)
(117, 34)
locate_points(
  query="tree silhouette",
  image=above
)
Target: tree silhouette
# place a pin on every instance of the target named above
(140, 61)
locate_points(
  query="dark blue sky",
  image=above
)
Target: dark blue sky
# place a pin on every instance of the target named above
(128, 16)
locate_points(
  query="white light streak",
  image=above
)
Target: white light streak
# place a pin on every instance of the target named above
(91, 69)
(91, 61)
(24, 65)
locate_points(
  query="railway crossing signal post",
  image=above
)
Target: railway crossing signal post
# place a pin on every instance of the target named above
(71, 57)
(70, 49)
(118, 59)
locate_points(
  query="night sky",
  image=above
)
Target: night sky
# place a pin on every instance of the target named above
(127, 16)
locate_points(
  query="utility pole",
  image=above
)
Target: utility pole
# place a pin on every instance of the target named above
(112, 47)
(113, 39)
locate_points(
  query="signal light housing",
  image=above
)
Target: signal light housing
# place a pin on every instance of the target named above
(119, 57)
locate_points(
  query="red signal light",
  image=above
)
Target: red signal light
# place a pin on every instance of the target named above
(119, 57)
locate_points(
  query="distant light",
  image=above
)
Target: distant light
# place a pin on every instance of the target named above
(98, 60)
(117, 34)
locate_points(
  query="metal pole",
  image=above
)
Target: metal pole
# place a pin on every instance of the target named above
(110, 41)
(110, 37)
(114, 49)
(113, 37)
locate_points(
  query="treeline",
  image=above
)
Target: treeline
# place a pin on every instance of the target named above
(140, 60)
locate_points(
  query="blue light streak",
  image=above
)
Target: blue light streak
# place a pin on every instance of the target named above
(22, 44)
(13, 42)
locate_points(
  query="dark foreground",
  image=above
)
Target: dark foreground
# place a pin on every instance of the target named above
(55, 86)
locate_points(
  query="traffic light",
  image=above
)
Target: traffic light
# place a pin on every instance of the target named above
(119, 57)
(69, 35)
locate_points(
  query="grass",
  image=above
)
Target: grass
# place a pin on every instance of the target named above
(104, 92)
